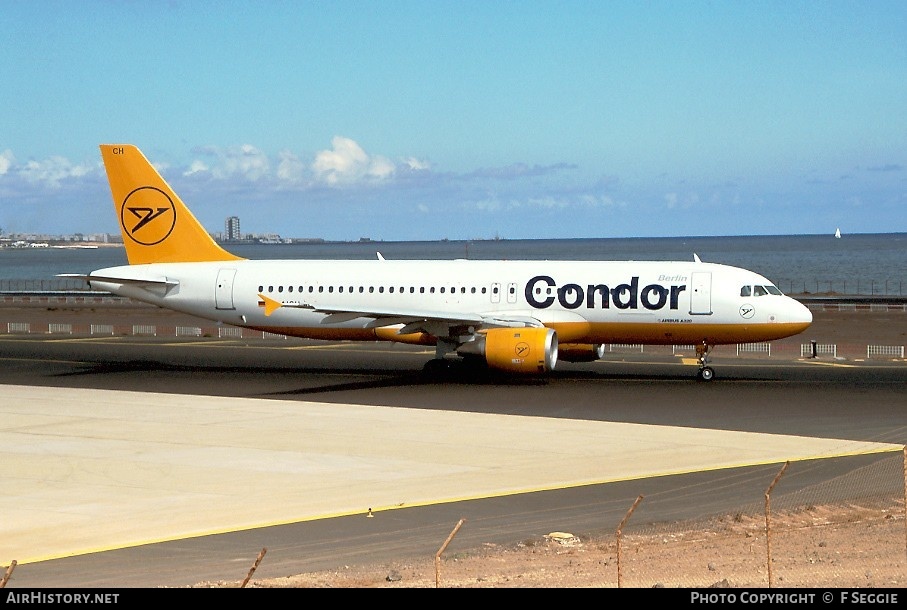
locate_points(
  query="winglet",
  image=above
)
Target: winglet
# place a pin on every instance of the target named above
(269, 304)
(157, 226)
(696, 258)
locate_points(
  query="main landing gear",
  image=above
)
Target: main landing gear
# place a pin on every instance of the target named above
(706, 373)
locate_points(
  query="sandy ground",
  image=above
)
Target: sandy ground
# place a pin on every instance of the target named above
(850, 546)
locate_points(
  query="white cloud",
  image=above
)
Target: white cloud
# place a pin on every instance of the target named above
(52, 171)
(197, 167)
(381, 168)
(6, 161)
(246, 161)
(600, 200)
(289, 167)
(416, 164)
(675, 200)
(492, 204)
(547, 202)
(347, 163)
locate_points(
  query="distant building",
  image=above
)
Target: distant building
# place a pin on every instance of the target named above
(232, 232)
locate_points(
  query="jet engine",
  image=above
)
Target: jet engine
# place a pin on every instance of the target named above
(581, 352)
(516, 350)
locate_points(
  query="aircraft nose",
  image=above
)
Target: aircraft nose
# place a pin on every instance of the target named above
(800, 313)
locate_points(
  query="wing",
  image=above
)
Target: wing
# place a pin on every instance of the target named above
(438, 323)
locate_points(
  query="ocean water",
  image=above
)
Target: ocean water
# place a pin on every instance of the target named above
(860, 264)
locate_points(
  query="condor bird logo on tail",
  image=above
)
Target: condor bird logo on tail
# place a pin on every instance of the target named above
(150, 207)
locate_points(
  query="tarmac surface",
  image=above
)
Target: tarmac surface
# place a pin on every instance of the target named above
(92, 470)
(127, 453)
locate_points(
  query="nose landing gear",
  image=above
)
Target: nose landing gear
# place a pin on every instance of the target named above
(706, 373)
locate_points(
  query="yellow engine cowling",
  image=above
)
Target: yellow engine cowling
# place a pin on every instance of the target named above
(581, 352)
(521, 350)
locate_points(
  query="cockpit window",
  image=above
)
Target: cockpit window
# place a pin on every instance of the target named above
(773, 290)
(746, 291)
(759, 291)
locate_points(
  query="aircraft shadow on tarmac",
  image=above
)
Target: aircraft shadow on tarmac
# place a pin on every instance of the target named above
(458, 373)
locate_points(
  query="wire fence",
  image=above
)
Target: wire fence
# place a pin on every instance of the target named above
(845, 531)
(48, 285)
(852, 286)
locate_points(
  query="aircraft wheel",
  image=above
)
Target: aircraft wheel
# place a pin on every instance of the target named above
(436, 368)
(706, 373)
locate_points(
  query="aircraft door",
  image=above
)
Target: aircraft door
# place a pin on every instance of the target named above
(223, 291)
(701, 293)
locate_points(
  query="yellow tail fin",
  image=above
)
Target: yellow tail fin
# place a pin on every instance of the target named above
(157, 226)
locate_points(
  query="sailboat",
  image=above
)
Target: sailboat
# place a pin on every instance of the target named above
(838, 233)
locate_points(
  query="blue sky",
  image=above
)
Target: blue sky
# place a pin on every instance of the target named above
(401, 120)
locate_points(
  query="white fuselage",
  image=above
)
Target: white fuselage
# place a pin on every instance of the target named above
(651, 302)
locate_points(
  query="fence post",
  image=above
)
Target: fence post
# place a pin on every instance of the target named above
(620, 529)
(9, 572)
(254, 567)
(768, 529)
(441, 550)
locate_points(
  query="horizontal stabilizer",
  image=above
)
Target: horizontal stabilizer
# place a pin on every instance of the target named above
(132, 281)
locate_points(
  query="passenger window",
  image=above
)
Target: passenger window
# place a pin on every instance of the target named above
(746, 291)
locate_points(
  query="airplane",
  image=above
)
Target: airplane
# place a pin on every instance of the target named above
(513, 316)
